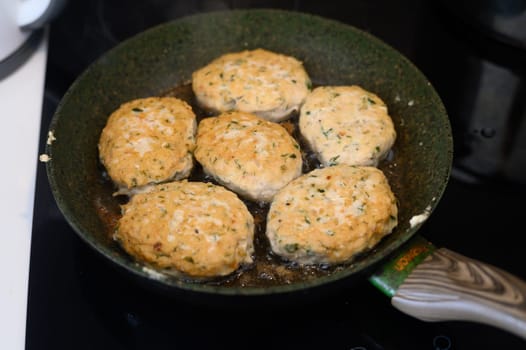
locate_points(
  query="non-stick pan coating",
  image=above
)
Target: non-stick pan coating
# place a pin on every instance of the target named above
(164, 57)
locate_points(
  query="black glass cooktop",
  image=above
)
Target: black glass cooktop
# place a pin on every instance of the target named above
(77, 300)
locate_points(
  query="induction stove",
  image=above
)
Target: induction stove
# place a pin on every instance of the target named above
(77, 300)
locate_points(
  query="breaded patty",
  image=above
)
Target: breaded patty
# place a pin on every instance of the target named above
(262, 82)
(346, 125)
(196, 228)
(148, 141)
(329, 215)
(249, 155)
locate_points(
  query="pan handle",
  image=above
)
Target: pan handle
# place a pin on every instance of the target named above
(447, 286)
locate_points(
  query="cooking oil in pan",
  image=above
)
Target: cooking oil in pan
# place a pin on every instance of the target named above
(268, 269)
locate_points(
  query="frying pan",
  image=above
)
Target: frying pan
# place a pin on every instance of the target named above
(423, 281)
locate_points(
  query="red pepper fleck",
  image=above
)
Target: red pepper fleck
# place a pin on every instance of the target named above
(157, 246)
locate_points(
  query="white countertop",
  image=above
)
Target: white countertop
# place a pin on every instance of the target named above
(21, 98)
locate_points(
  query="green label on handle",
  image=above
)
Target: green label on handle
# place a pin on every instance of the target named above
(390, 276)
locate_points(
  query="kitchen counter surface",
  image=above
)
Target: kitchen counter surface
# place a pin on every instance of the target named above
(21, 98)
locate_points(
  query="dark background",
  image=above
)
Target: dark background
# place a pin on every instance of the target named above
(474, 55)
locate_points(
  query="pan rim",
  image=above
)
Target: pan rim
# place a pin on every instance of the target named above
(137, 270)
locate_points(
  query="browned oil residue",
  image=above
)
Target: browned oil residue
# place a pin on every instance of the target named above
(267, 269)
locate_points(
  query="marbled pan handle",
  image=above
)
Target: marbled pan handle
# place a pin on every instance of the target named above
(449, 286)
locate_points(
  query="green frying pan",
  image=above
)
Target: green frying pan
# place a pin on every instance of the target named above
(429, 283)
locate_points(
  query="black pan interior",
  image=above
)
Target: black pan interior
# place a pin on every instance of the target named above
(160, 62)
